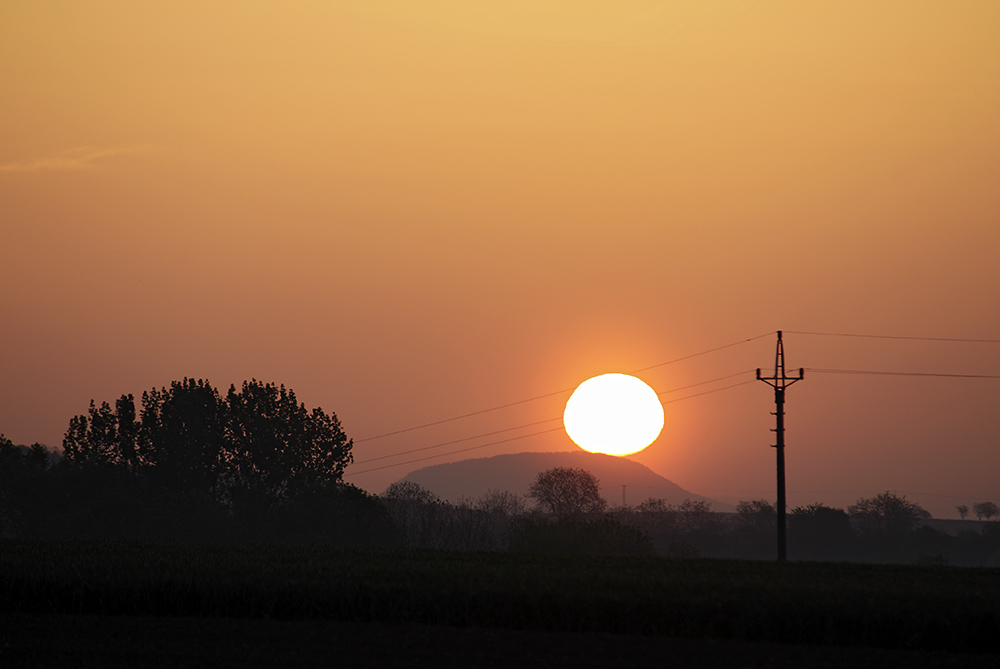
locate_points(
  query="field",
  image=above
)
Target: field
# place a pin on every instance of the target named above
(62, 589)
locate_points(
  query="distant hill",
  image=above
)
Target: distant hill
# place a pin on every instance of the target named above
(515, 472)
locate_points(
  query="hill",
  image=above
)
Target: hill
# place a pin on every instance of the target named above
(515, 472)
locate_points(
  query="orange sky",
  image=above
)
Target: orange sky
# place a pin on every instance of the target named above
(411, 210)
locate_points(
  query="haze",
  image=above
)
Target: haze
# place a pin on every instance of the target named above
(410, 211)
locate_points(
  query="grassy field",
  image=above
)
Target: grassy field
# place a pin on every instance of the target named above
(908, 608)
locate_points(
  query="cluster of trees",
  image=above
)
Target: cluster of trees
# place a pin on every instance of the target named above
(569, 515)
(189, 463)
(983, 510)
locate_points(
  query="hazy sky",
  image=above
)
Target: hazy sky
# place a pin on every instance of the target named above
(407, 211)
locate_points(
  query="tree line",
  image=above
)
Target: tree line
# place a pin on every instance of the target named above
(187, 463)
(564, 512)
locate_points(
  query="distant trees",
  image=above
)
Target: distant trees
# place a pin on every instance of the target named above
(758, 516)
(425, 521)
(963, 511)
(817, 531)
(567, 492)
(986, 510)
(20, 470)
(754, 528)
(885, 514)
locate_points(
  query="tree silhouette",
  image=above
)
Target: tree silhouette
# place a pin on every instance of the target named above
(986, 510)
(757, 516)
(885, 514)
(819, 531)
(181, 435)
(275, 447)
(567, 492)
(251, 450)
(963, 510)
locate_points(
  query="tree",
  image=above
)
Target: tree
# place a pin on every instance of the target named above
(963, 510)
(180, 437)
(758, 516)
(93, 438)
(885, 514)
(818, 531)
(567, 492)
(500, 503)
(252, 450)
(819, 520)
(275, 447)
(21, 468)
(985, 510)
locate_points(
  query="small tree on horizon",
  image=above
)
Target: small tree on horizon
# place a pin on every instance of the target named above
(567, 492)
(986, 510)
(963, 510)
(886, 514)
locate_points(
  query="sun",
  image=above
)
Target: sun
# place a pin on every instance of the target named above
(615, 414)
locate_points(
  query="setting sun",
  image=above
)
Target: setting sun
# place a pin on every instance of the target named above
(615, 414)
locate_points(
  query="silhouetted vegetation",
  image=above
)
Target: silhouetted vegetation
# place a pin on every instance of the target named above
(266, 470)
(567, 492)
(986, 510)
(191, 465)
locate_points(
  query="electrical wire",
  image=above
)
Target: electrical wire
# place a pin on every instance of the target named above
(524, 436)
(552, 394)
(703, 383)
(709, 392)
(465, 415)
(457, 441)
(695, 355)
(872, 336)
(549, 420)
(462, 450)
(882, 373)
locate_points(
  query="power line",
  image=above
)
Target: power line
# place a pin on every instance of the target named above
(552, 394)
(858, 491)
(695, 355)
(518, 427)
(549, 420)
(709, 392)
(872, 336)
(882, 373)
(466, 415)
(462, 450)
(703, 383)
(457, 441)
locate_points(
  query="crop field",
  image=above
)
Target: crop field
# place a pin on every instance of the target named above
(908, 608)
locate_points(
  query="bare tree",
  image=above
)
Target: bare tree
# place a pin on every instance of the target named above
(500, 502)
(986, 510)
(567, 492)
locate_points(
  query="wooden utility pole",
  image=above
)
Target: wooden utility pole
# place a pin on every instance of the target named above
(779, 382)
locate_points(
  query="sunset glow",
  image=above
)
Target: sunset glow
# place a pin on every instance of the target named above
(410, 211)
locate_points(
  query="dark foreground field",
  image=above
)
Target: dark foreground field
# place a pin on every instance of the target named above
(131, 641)
(100, 604)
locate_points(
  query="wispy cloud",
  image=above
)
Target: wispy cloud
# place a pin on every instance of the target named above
(80, 158)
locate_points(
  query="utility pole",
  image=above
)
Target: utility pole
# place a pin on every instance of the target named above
(779, 382)
(623, 495)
